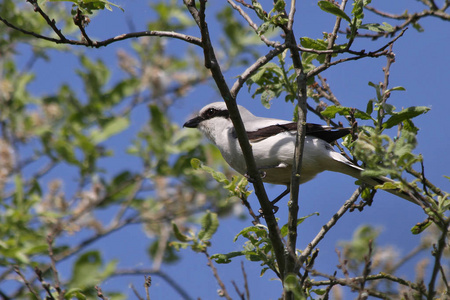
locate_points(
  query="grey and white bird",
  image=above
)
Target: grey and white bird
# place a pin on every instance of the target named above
(273, 144)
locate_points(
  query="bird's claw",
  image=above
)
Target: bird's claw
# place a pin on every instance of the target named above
(252, 180)
(274, 211)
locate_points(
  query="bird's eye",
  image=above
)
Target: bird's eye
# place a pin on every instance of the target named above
(210, 112)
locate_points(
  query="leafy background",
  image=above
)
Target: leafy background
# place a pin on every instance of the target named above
(421, 67)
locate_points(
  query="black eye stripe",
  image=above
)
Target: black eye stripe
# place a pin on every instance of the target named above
(213, 112)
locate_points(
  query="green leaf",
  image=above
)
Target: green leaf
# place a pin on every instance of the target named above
(196, 163)
(376, 27)
(369, 108)
(74, 293)
(210, 223)
(19, 195)
(406, 114)
(420, 227)
(179, 235)
(332, 110)
(266, 97)
(86, 271)
(284, 229)
(112, 127)
(291, 284)
(397, 88)
(259, 230)
(389, 186)
(319, 292)
(331, 8)
(313, 44)
(226, 258)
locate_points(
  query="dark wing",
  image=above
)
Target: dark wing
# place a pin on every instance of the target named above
(325, 133)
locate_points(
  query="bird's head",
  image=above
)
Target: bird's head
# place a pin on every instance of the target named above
(214, 119)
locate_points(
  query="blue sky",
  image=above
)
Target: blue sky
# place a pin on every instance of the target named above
(421, 67)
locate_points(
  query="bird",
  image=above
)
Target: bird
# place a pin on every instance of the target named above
(273, 145)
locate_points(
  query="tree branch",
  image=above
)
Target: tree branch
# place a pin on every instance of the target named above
(230, 100)
(97, 44)
(325, 228)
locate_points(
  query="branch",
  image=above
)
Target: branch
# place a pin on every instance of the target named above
(51, 23)
(329, 225)
(253, 25)
(223, 289)
(57, 282)
(434, 11)
(439, 250)
(250, 71)
(358, 55)
(97, 44)
(27, 283)
(332, 37)
(350, 281)
(174, 284)
(230, 100)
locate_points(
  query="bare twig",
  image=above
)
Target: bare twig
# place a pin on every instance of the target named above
(136, 293)
(158, 273)
(244, 274)
(425, 181)
(366, 271)
(252, 24)
(81, 21)
(358, 55)
(236, 288)
(223, 289)
(350, 282)
(51, 23)
(329, 225)
(333, 36)
(98, 44)
(437, 253)
(27, 283)
(100, 293)
(57, 283)
(147, 285)
(254, 68)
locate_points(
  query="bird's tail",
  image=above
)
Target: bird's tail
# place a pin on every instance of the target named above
(356, 172)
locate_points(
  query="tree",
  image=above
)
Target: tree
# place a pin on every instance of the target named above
(87, 157)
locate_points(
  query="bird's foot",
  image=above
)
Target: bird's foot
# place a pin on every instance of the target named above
(252, 180)
(274, 211)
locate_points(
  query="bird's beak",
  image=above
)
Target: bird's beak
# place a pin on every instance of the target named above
(193, 123)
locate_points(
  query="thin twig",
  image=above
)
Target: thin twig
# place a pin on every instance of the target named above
(97, 44)
(350, 282)
(158, 273)
(252, 24)
(244, 274)
(51, 23)
(325, 228)
(333, 36)
(57, 284)
(27, 283)
(100, 293)
(439, 250)
(136, 293)
(238, 84)
(358, 55)
(147, 285)
(223, 289)
(366, 271)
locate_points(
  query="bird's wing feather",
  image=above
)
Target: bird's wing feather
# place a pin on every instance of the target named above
(326, 133)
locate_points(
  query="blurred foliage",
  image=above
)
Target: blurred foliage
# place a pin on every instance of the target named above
(108, 141)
